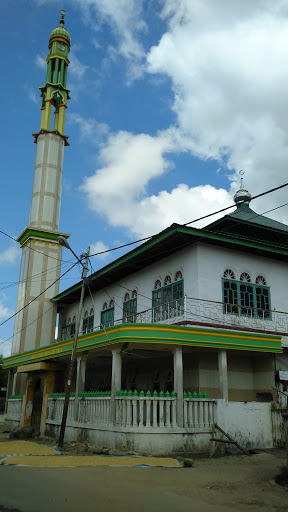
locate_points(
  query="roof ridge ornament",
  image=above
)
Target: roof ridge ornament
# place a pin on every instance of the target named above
(62, 12)
(242, 194)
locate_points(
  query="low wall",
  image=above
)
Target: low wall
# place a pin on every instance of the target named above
(180, 442)
(249, 423)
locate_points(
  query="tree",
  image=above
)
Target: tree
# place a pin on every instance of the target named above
(3, 374)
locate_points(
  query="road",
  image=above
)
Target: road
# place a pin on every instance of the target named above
(219, 485)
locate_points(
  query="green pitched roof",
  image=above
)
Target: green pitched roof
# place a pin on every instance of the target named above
(245, 213)
(167, 242)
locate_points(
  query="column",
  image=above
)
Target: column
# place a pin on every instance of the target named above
(62, 71)
(61, 120)
(48, 379)
(9, 388)
(49, 69)
(178, 384)
(80, 381)
(56, 72)
(223, 374)
(116, 379)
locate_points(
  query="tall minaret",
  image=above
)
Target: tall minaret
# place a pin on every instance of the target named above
(41, 254)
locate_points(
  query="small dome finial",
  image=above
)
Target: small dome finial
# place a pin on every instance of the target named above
(242, 194)
(62, 17)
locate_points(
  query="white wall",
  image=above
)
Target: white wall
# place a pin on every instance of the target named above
(202, 266)
(248, 423)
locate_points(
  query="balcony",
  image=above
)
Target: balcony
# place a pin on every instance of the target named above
(207, 312)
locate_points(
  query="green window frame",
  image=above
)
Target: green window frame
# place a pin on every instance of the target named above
(168, 301)
(130, 311)
(68, 330)
(246, 299)
(88, 322)
(107, 318)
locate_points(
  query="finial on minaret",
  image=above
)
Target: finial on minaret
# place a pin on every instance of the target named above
(62, 17)
(242, 194)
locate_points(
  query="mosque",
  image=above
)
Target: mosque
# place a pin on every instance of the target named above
(184, 332)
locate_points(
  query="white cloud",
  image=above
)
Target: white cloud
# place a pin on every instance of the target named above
(76, 68)
(31, 93)
(118, 189)
(10, 255)
(226, 61)
(125, 19)
(5, 348)
(89, 128)
(41, 62)
(99, 247)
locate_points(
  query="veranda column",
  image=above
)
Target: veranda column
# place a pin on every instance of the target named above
(223, 374)
(178, 384)
(9, 388)
(116, 379)
(80, 381)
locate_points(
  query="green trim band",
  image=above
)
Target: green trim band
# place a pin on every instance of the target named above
(154, 334)
(38, 233)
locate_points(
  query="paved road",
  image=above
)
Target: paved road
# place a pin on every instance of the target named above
(233, 484)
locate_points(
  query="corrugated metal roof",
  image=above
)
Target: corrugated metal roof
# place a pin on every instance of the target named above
(245, 213)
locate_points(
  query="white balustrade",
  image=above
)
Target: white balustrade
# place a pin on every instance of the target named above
(134, 412)
(14, 409)
(145, 412)
(199, 413)
(92, 410)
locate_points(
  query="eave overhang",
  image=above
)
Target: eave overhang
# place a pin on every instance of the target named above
(164, 244)
(169, 335)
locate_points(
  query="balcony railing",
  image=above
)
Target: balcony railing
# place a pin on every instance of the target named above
(200, 311)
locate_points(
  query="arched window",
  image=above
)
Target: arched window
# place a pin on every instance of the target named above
(167, 280)
(73, 326)
(245, 277)
(130, 308)
(229, 274)
(244, 298)
(168, 301)
(107, 315)
(88, 321)
(68, 329)
(260, 280)
(178, 276)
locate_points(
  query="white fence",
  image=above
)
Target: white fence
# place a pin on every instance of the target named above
(135, 412)
(55, 409)
(14, 409)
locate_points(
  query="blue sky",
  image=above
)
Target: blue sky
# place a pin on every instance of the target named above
(170, 99)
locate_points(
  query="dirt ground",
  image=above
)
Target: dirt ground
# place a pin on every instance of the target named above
(231, 483)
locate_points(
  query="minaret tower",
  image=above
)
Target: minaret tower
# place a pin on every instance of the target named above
(41, 254)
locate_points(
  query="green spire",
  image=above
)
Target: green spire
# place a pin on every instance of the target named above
(54, 93)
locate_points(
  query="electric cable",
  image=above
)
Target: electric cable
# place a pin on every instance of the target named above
(39, 295)
(198, 219)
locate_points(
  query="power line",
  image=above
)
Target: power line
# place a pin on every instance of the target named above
(39, 295)
(198, 219)
(23, 328)
(31, 248)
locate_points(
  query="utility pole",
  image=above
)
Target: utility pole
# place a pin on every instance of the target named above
(73, 355)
